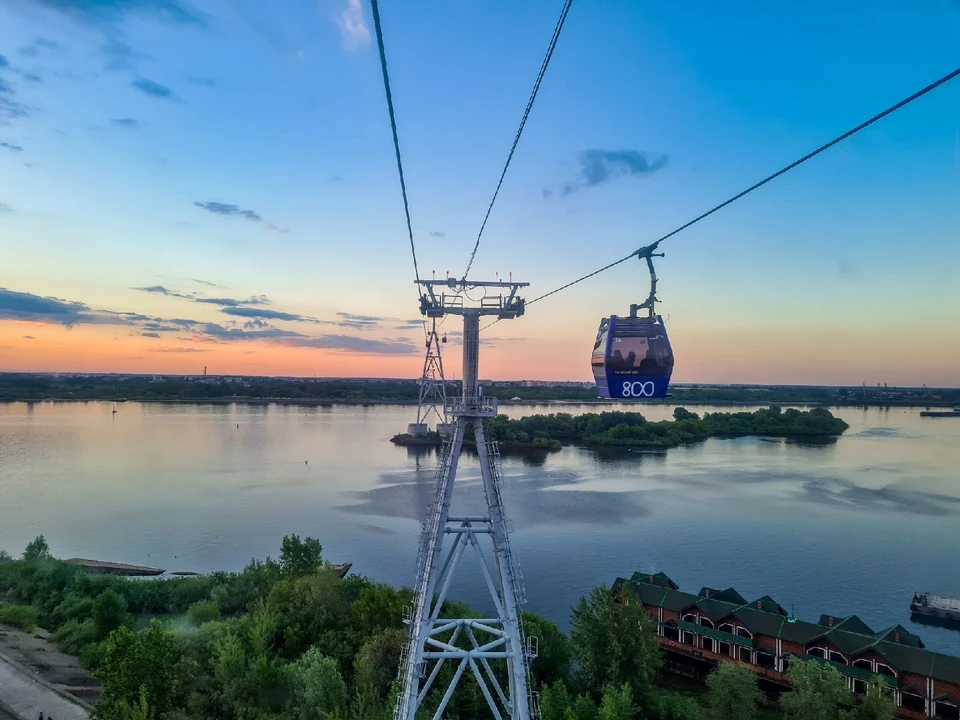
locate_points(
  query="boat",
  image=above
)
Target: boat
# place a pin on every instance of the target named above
(941, 413)
(936, 607)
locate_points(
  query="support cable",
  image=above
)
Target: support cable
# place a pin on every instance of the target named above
(879, 116)
(523, 122)
(393, 126)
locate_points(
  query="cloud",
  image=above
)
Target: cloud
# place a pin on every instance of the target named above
(29, 337)
(27, 306)
(437, 233)
(193, 297)
(264, 314)
(202, 81)
(357, 322)
(349, 343)
(205, 282)
(150, 334)
(125, 122)
(29, 76)
(179, 350)
(601, 166)
(34, 48)
(227, 209)
(354, 32)
(153, 89)
(5, 208)
(11, 147)
(4, 63)
(10, 109)
(111, 12)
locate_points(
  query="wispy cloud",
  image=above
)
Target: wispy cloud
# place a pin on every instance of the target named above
(99, 12)
(437, 233)
(265, 314)
(357, 322)
(218, 208)
(179, 350)
(205, 282)
(38, 45)
(194, 297)
(349, 343)
(354, 32)
(29, 337)
(231, 210)
(5, 208)
(601, 166)
(153, 89)
(10, 109)
(33, 308)
(11, 147)
(125, 122)
(202, 81)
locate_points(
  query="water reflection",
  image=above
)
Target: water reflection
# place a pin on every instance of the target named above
(183, 487)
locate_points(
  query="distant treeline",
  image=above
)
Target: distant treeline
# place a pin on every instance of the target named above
(215, 389)
(633, 429)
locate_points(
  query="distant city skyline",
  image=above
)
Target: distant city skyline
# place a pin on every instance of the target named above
(198, 183)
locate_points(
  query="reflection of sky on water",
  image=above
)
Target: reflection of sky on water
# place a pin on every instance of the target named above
(855, 525)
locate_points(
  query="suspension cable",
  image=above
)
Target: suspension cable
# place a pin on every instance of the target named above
(879, 116)
(523, 121)
(393, 126)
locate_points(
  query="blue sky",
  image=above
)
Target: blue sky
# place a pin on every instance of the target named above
(155, 143)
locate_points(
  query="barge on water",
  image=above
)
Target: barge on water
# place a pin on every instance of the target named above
(699, 631)
(941, 413)
(936, 607)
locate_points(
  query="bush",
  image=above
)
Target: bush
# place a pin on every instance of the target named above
(23, 617)
(203, 611)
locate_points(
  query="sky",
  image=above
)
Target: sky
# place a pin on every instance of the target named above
(212, 183)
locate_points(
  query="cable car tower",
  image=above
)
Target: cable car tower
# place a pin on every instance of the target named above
(433, 389)
(469, 644)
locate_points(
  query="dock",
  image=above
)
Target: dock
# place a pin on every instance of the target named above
(936, 607)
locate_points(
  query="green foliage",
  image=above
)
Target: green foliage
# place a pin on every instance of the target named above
(630, 428)
(668, 705)
(203, 611)
(323, 688)
(876, 705)
(615, 643)
(818, 693)
(733, 693)
(300, 557)
(616, 703)
(378, 660)
(109, 612)
(137, 667)
(37, 549)
(554, 655)
(23, 617)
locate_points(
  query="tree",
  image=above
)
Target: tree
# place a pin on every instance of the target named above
(203, 611)
(379, 607)
(109, 612)
(37, 549)
(681, 413)
(671, 705)
(554, 701)
(553, 653)
(617, 703)
(615, 643)
(377, 661)
(818, 692)
(300, 557)
(733, 693)
(323, 688)
(876, 705)
(137, 668)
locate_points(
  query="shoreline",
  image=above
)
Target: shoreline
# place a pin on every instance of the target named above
(329, 402)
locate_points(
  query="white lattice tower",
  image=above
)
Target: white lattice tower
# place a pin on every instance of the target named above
(433, 386)
(473, 646)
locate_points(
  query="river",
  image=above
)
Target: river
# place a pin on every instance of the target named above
(851, 527)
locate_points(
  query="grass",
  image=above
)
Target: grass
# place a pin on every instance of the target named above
(23, 617)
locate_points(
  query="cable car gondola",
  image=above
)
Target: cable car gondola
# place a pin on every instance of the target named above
(632, 358)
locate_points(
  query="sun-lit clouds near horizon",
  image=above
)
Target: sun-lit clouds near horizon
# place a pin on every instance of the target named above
(190, 183)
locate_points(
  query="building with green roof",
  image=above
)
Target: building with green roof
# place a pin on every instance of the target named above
(716, 626)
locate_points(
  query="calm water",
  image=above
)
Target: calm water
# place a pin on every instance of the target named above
(850, 527)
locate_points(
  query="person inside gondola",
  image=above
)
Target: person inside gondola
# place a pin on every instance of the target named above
(616, 360)
(631, 361)
(649, 362)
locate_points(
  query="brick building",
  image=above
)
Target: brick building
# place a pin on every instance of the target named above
(722, 626)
